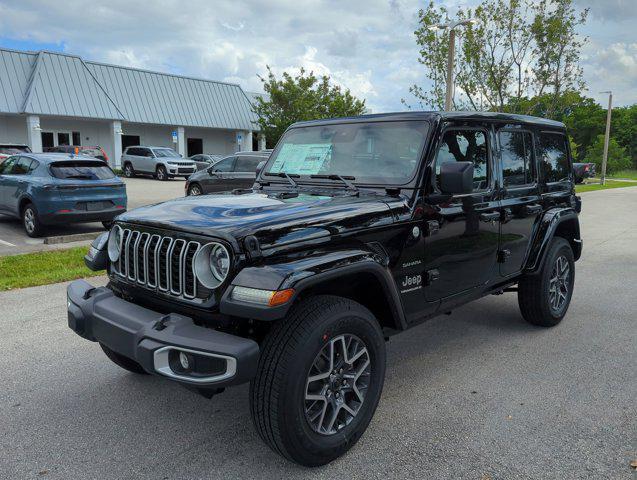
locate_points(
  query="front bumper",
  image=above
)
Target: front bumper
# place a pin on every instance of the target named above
(147, 337)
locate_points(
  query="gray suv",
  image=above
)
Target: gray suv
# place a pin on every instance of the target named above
(160, 162)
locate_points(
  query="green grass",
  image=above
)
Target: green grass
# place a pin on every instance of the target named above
(42, 268)
(609, 184)
(629, 174)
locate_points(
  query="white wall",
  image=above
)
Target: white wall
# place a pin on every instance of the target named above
(92, 132)
(13, 129)
(215, 141)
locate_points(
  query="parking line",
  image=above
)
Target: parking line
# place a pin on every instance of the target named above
(6, 244)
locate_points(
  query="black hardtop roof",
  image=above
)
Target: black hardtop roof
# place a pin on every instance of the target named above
(433, 115)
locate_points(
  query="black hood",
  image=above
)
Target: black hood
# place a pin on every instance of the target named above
(273, 220)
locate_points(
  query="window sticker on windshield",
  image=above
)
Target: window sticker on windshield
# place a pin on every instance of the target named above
(303, 159)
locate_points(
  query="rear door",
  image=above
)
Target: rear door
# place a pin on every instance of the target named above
(15, 183)
(520, 196)
(245, 171)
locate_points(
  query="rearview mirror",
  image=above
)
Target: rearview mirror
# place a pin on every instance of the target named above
(260, 166)
(456, 177)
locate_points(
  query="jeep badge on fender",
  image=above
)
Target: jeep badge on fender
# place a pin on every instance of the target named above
(354, 230)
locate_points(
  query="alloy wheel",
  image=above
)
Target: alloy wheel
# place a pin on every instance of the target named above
(336, 384)
(559, 283)
(195, 190)
(29, 220)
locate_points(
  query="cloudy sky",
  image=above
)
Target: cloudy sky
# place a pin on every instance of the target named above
(365, 45)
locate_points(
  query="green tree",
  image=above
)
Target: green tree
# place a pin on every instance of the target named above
(302, 97)
(617, 158)
(518, 49)
(624, 129)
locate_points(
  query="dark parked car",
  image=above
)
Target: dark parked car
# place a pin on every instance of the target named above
(582, 171)
(8, 149)
(205, 160)
(236, 171)
(53, 188)
(90, 151)
(356, 229)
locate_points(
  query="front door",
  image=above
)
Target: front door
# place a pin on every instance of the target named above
(520, 198)
(462, 254)
(216, 180)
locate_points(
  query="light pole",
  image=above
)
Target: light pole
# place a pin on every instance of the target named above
(450, 56)
(607, 135)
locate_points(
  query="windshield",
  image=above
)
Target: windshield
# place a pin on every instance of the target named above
(82, 170)
(164, 152)
(374, 152)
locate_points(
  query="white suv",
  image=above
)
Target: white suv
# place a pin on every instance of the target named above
(161, 162)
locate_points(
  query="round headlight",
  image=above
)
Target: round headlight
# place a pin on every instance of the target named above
(212, 265)
(219, 262)
(115, 243)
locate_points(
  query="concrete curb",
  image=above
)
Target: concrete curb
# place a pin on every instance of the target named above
(78, 237)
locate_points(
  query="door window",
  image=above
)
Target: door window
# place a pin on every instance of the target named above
(517, 158)
(247, 164)
(225, 165)
(553, 156)
(21, 167)
(464, 145)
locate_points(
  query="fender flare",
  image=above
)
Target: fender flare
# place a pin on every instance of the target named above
(281, 277)
(546, 230)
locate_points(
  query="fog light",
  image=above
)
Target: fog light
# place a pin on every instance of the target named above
(184, 361)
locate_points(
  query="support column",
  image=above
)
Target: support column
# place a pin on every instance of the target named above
(262, 142)
(34, 133)
(115, 130)
(247, 141)
(181, 141)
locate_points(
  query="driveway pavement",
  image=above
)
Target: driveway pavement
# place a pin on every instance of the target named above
(141, 191)
(476, 395)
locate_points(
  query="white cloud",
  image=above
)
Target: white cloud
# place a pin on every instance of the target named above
(367, 46)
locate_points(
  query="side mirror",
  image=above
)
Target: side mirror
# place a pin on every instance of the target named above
(456, 177)
(260, 166)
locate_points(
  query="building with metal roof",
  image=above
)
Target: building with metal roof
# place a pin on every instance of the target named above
(50, 98)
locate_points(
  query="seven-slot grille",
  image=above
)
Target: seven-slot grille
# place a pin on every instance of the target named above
(158, 263)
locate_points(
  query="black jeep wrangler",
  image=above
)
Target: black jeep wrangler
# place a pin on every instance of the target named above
(355, 229)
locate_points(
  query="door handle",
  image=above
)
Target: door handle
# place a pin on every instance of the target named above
(490, 217)
(533, 209)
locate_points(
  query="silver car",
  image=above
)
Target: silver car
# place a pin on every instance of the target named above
(162, 163)
(205, 160)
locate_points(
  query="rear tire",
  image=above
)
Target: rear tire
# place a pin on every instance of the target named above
(332, 350)
(122, 361)
(161, 174)
(129, 171)
(31, 221)
(544, 297)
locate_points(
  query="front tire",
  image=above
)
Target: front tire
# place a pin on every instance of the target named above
(122, 361)
(31, 221)
(161, 173)
(545, 297)
(319, 380)
(195, 190)
(129, 171)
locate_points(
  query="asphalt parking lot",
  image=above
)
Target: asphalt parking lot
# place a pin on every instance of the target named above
(478, 394)
(141, 191)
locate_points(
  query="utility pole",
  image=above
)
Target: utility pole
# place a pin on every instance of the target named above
(607, 135)
(451, 54)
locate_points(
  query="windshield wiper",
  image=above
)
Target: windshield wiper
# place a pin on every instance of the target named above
(345, 180)
(284, 175)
